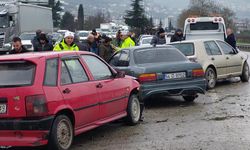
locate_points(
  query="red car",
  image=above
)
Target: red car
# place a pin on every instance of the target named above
(48, 98)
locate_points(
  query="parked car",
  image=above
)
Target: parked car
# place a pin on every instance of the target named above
(145, 41)
(55, 37)
(83, 35)
(26, 38)
(218, 59)
(47, 98)
(161, 70)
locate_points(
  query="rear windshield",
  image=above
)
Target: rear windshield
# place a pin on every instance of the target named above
(14, 74)
(158, 55)
(204, 26)
(146, 41)
(186, 48)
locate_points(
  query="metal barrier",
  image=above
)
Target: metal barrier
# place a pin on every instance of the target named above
(244, 47)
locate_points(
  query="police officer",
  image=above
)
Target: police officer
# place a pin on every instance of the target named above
(67, 44)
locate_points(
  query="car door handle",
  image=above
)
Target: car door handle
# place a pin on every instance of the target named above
(212, 58)
(66, 91)
(99, 85)
(227, 57)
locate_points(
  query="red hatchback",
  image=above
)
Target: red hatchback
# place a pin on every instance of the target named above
(48, 98)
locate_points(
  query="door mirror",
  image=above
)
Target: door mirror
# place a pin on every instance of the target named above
(232, 52)
(120, 74)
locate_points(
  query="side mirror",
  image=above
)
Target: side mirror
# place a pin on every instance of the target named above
(232, 52)
(120, 74)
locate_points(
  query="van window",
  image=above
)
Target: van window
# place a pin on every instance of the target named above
(16, 73)
(204, 26)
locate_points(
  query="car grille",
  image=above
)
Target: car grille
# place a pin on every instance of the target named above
(1, 40)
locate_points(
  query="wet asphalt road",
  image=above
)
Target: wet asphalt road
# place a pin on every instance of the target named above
(219, 120)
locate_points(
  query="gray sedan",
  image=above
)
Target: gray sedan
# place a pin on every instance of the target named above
(161, 70)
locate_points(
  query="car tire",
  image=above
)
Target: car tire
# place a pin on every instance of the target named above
(211, 78)
(245, 73)
(189, 98)
(133, 110)
(61, 134)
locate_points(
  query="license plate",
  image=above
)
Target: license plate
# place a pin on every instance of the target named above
(3, 108)
(179, 75)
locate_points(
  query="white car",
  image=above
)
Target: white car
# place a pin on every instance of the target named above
(26, 38)
(83, 35)
(218, 59)
(145, 41)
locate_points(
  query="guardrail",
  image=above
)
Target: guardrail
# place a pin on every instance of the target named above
(244, 47)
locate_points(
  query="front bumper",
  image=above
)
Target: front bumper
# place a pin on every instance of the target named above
(178, 88)
(23, 132)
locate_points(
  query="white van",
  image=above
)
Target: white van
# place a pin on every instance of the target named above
(205, 28)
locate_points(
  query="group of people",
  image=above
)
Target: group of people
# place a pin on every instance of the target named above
(101, 45)
(160, 39)
(96, 43)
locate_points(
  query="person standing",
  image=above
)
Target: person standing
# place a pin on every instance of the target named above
(67, 43)
(44, 44)
(35, 40)
(159, 38)
(87, 44)
(96, 43)
(126, 40)
(118, 39)
(106, 49)
(231, 40)
(18, 47)
(178, 36)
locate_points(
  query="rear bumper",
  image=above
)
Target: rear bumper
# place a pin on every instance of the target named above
(178, 88)
(22, 132)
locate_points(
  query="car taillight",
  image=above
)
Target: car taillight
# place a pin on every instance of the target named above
(36, 106)
(198, 73)
(147, 77)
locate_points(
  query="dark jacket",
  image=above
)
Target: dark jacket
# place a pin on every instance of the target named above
(105, 52)
(35, 41)
(157, 40)
(231, 40)
(85, 46)
(23, 50)
(41, 48)
(176, 37)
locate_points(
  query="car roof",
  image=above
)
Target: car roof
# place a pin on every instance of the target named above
(147, 47)
(194, 41)
(32, 56)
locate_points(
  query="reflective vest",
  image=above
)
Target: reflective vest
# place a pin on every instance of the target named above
(64, 47)
(128, 42)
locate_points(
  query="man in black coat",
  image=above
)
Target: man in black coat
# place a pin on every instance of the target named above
(18, 47)
(231, 38)
(159, 38)
(44, 44)
(178, 36)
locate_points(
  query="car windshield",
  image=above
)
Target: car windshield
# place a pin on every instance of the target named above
(15, 74)
(83, 34)
(158, 55)
(146, 41)
(4, 23)
(186, 48)
(204, 26)
(28, 36)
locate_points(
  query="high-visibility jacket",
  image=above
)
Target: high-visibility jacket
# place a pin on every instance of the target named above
(64, 47)
(128, 42)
